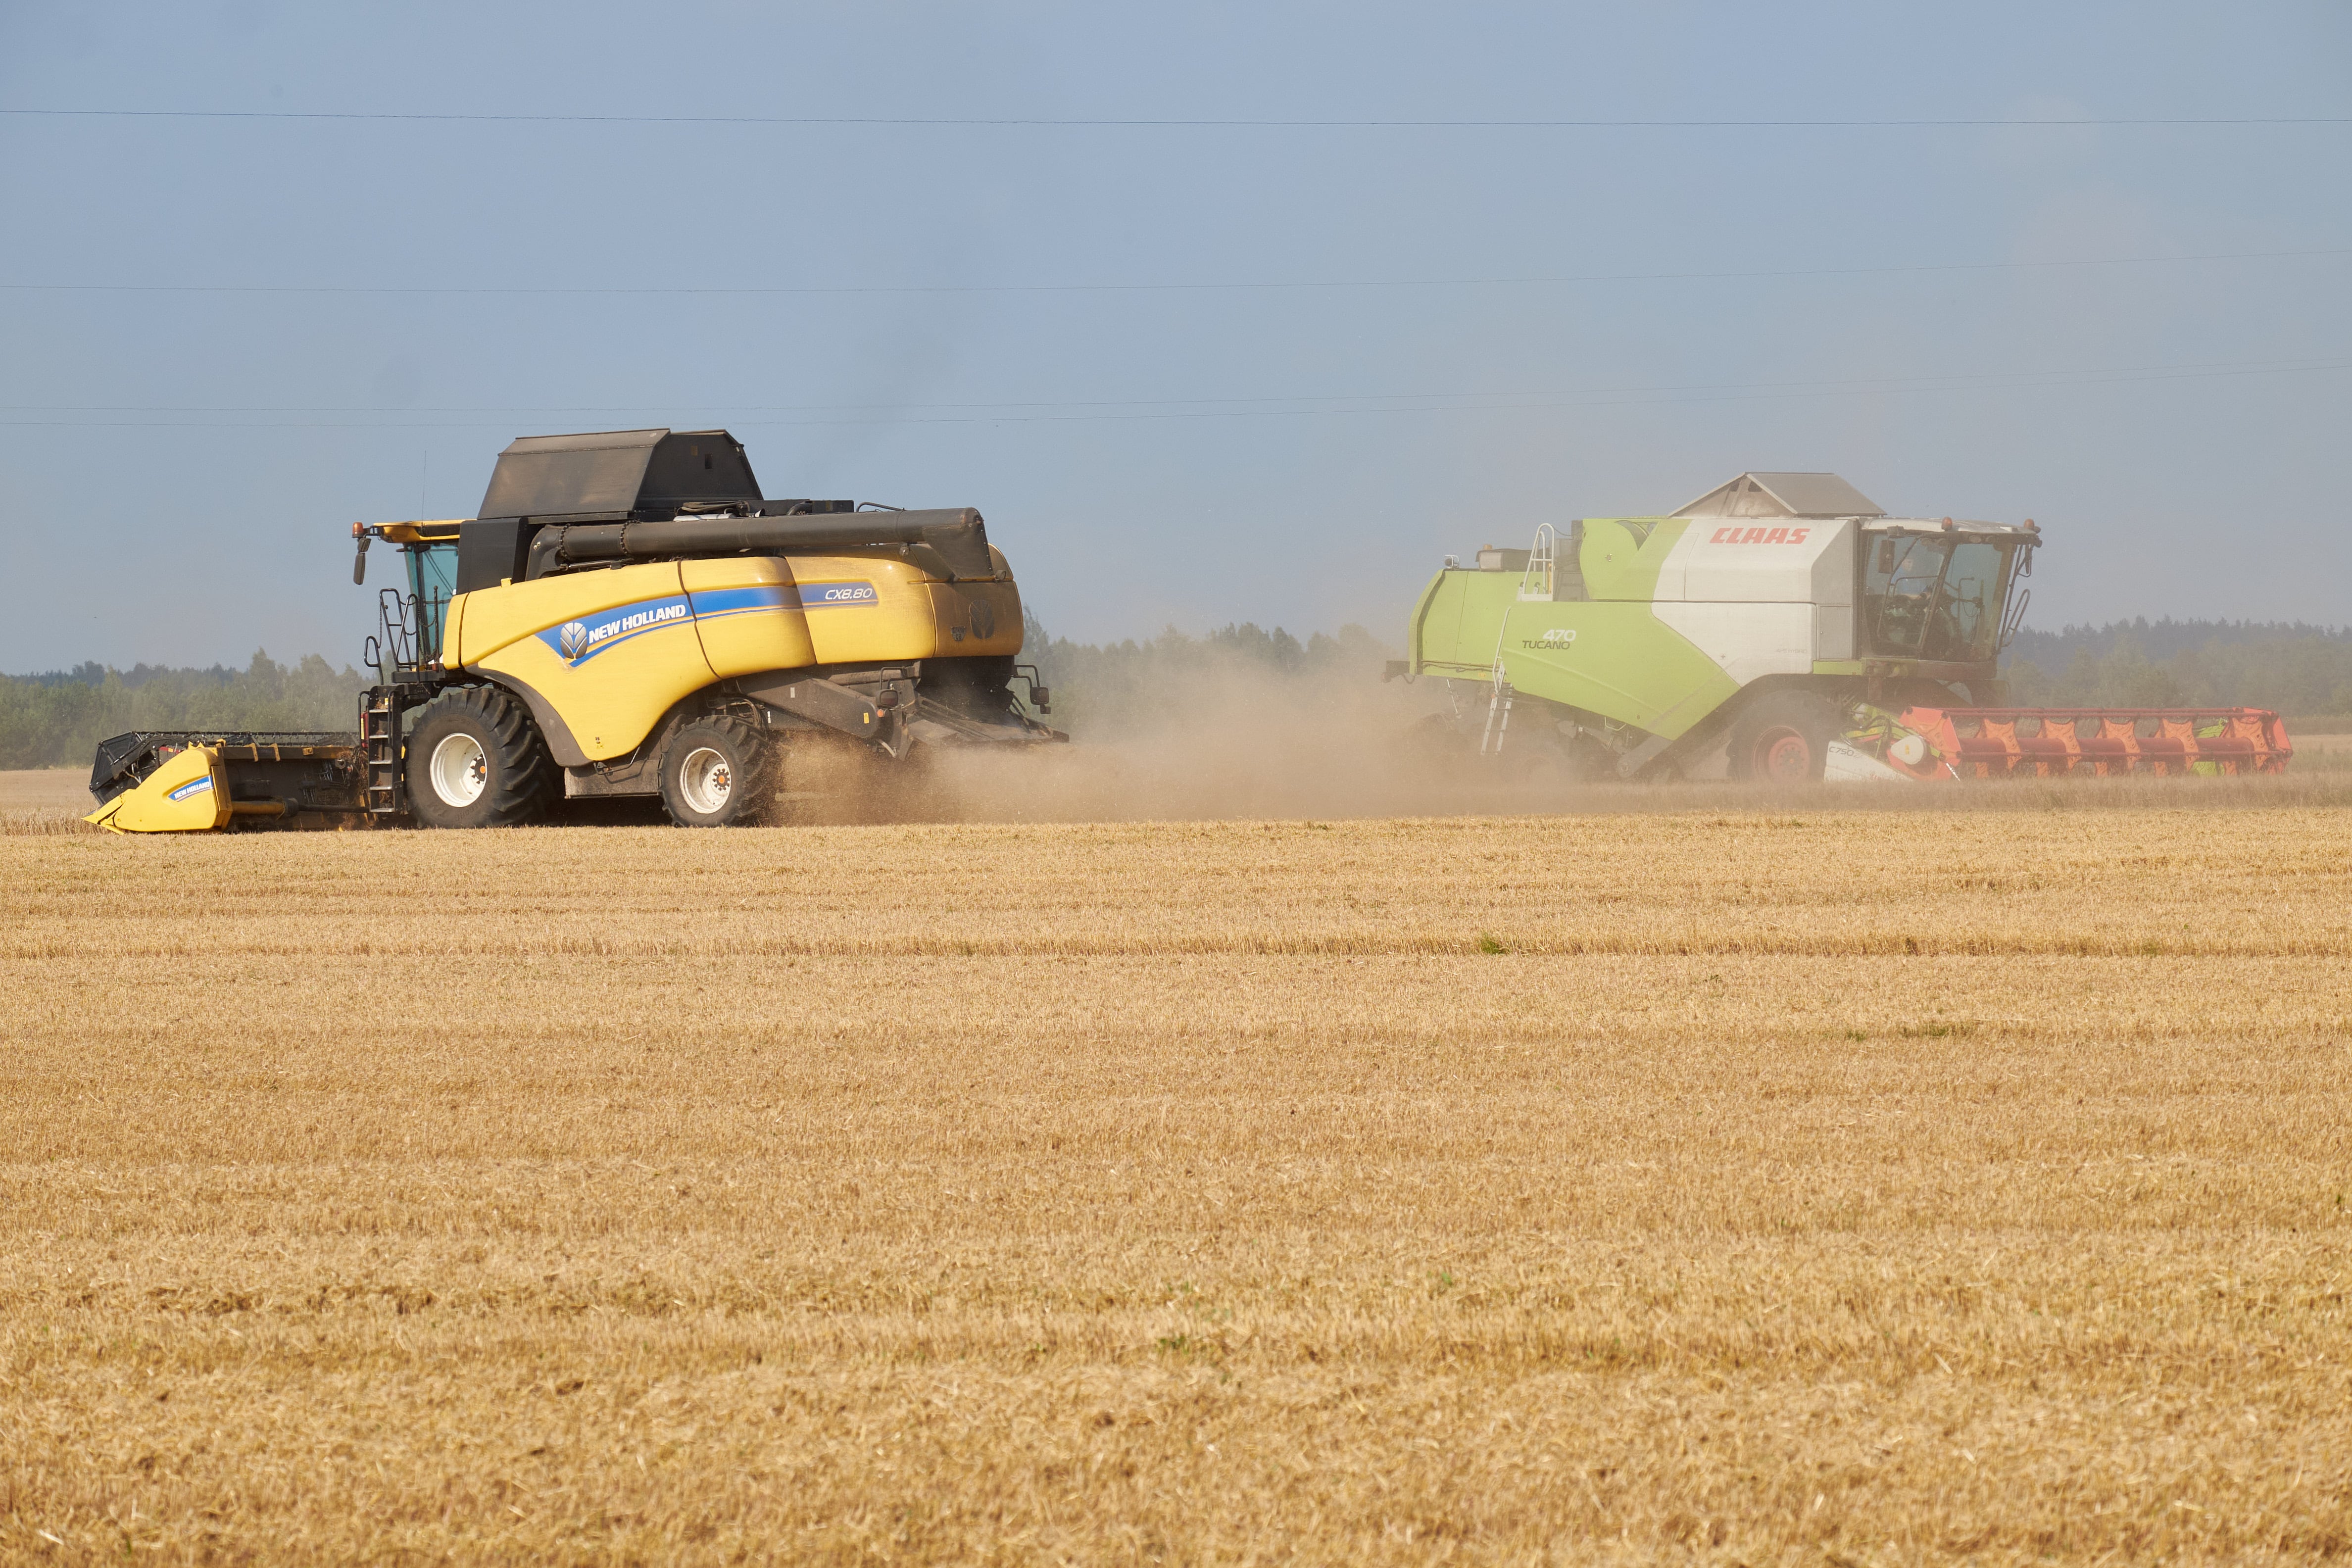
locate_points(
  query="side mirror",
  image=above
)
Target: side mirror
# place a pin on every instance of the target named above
(359, 563)
(1042, 696)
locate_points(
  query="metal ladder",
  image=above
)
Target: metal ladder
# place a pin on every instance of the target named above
(1535, 583)
(380, 708)
(1498, 712)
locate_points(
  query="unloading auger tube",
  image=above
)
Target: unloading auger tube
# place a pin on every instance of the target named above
(1781, 627)
(627, 614)
(958, 538)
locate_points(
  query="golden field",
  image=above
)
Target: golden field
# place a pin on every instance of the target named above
(1769, 1186)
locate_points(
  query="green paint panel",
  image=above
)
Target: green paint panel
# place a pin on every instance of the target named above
(1607, 654)
(1622, 555)
(1613, 658)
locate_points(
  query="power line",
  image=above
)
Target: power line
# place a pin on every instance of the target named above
(1106, 122)
(1857, 383)
(441, 290)
(1124, 410)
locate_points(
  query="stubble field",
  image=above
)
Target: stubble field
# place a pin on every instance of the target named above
(1764, 1186)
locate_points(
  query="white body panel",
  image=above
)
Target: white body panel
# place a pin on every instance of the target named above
(1762, 597)
(1833, 631)
(1747, 640)
(1800, 562)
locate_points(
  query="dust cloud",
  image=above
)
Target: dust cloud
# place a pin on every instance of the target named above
(1228, 739)
(1224, 741)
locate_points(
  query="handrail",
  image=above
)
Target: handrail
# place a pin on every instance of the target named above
(1539, 570)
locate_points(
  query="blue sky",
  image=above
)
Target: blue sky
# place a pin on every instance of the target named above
(1191, 373)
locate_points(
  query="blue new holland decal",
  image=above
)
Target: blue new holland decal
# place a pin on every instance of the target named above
(577, 642)
(192, 787)
(718, 603)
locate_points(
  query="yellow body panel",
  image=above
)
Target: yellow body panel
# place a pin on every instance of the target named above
(861, 608)
(188, 793)
(975, 618)
(611, 651)
(746, 608)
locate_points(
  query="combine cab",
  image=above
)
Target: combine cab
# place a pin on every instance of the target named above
(1781, 626)
(629, 615)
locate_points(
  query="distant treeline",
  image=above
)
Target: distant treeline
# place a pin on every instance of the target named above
(1098, 688)
(2296, 669)
(57, 720)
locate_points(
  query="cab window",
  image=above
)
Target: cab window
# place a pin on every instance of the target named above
(1928, 597)
(1898, 591)
(1965, 625)
(431, 579)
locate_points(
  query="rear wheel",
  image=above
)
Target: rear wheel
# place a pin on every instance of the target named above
(719, 772)
(475, 760)
(1588, 758)
(1433, 738)
(1784, 737)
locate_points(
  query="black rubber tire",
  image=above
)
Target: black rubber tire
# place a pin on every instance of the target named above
(750, 768)
(1588, 759)
(1433, 738)
(515, 776)
(1784, 737)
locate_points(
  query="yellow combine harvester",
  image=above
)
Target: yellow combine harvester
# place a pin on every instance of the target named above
(627, 617)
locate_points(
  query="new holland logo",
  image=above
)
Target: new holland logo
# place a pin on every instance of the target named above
(579, 641)
(193, 786)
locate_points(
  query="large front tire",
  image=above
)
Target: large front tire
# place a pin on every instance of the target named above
(719, 772)
(475, 760)
(1784, 737)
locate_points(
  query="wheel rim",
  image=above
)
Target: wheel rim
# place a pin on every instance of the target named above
(460, 770)
(706, 780)
(1783, 753)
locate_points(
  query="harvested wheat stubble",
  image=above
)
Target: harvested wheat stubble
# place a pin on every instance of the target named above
(1870, 1187)
(43, 789)
(43, 803)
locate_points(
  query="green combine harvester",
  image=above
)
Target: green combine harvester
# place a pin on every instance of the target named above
(1781, 626)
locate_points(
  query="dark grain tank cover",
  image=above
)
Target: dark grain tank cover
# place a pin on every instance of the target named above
(618, 471)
